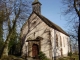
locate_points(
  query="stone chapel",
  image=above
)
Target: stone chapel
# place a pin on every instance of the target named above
(40, 34)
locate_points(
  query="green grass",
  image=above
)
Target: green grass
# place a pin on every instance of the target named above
(10, 57)
(68, 58)
(76, 57)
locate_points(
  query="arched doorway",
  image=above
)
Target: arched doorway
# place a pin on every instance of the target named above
(35, 50)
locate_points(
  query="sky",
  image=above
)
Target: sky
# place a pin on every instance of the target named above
(52, 9)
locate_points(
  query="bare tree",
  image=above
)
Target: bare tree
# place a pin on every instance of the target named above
(14, 8)
(73, 11)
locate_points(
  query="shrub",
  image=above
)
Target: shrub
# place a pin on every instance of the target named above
(10, 57)
(70, 54)
(75, 53)
(42, 56)
(61, 58)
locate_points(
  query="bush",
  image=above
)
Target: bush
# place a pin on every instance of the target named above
(70, 54)
(61, 59)
(42, 56)
(10, 57)
(75, 53)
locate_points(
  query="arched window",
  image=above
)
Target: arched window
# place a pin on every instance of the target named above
(60, 41)
(56, 40)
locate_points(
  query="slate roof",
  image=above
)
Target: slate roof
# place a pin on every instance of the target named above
(51, 24)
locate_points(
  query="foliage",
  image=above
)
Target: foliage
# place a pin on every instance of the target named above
(72, 13)
(42, 56)
(61, 58)
(70, 54)
(74, 57)
(1, 31)
(1, 47)
(14, 13)
(76, 53)
(18, 48)
(14, 44)
(10, 57)
(2, 16)
(1, 34)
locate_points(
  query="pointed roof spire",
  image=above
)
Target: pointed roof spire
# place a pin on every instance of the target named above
(36, 6)
(36, 1)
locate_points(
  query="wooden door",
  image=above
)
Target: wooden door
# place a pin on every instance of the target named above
(35, 50)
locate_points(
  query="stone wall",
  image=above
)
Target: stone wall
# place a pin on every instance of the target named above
(35, 27)
(63, 43)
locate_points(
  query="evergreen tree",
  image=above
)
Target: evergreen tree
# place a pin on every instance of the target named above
(1, 30)
(13, 42)
(15, 9)
(1, 38)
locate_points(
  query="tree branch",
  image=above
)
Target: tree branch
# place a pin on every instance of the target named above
(75, 7)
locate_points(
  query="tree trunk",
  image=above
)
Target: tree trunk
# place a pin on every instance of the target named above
(5, 51)
(1, 31)
(79, 37)
(5, 48)
(78, 13)
(79, 33)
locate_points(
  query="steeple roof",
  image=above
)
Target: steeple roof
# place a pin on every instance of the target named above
(35, 1)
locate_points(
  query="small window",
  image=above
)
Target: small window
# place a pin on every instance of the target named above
(34, 22)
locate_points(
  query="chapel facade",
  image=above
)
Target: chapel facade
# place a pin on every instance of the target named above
(40, 34)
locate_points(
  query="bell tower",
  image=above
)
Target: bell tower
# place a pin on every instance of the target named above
(36, 6)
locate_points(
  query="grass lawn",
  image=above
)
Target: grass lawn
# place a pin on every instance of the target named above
(76, 57)
(11, 57)
(68, 58)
